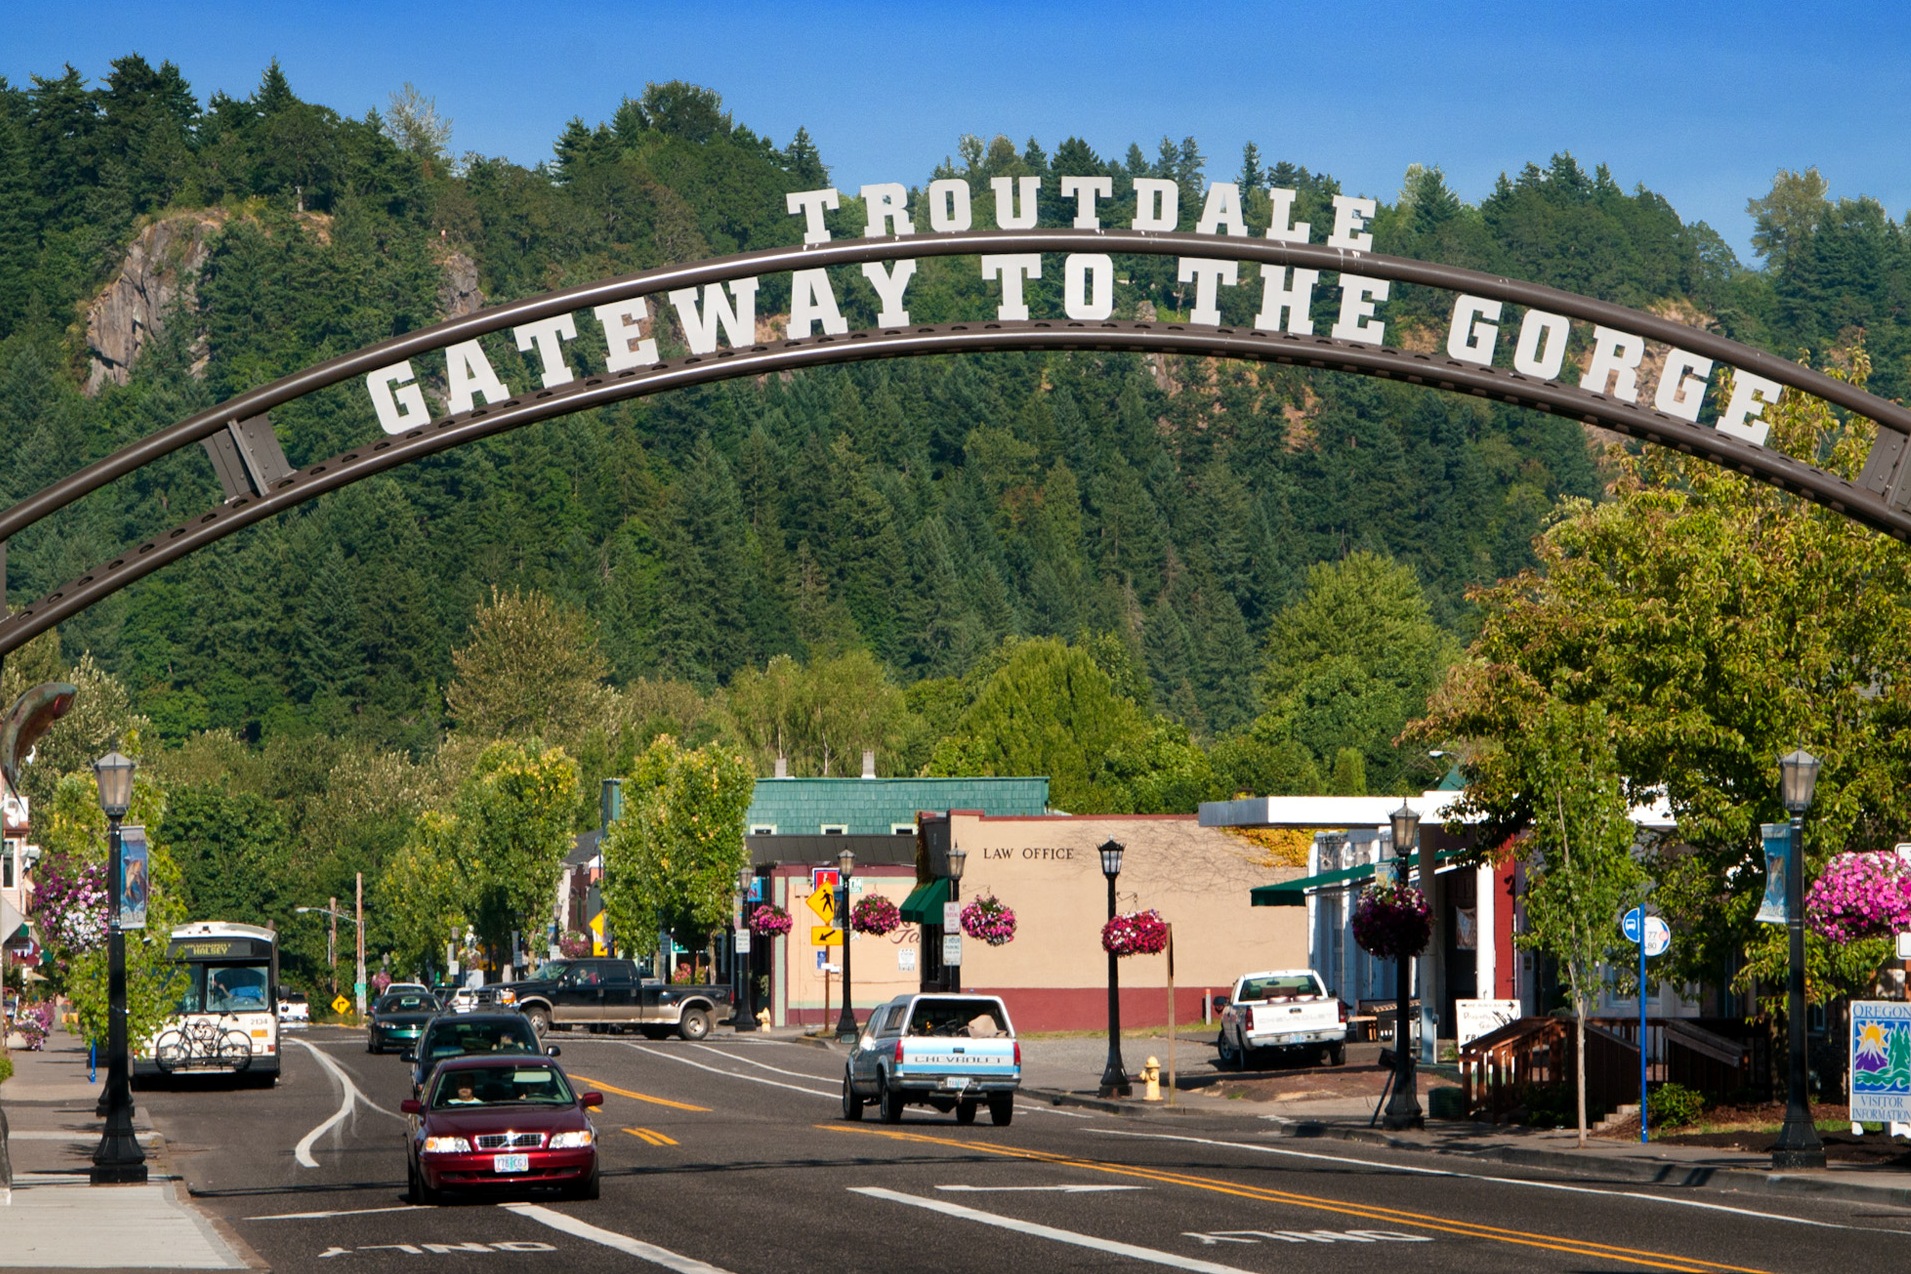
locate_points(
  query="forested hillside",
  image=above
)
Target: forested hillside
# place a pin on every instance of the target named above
(1265, 568)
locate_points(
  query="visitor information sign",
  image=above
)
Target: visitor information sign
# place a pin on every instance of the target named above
(1880, 1061)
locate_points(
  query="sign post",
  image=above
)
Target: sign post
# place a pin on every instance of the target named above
(1653, 936)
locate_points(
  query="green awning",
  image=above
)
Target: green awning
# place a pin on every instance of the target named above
(1293, 893)
(923, 906)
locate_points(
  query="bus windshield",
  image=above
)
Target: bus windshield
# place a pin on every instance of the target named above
(226, 988)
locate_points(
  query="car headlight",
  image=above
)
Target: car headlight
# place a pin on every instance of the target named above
(446, 1146)
(571, 1140)
(507, 997)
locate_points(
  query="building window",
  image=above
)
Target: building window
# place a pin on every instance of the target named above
(9, 873)
(903, 829)
(763, 829)
(835, 829)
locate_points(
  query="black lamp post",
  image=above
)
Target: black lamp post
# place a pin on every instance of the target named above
(1403, 1107)
(744, 1016)
(118, 1160)
(1114, 1076)
(846, 1023)
(958, 858)
(1798, 1144)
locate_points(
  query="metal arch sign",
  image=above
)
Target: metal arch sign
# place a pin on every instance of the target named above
(1485, 352)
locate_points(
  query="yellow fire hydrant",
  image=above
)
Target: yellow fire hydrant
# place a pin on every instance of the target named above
(1151, 1075)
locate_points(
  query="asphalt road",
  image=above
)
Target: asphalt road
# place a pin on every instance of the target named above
(733, 1155)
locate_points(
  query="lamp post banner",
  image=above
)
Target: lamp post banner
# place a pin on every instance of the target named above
(1880, 1061)
(1778, 839)
(133, 877)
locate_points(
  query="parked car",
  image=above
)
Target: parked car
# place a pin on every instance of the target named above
(294, 1011)
(398, 1017)
(1281, 1010)
(451, 1035)
(493, 1122)
(477, 999)
(950, 1052)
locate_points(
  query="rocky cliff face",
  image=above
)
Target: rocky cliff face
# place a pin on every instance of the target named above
(161, 270)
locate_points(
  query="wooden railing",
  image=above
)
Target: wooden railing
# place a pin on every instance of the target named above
(1717, 1057)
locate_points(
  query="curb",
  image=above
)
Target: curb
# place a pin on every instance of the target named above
(1109, 1105)
(1662, 1172)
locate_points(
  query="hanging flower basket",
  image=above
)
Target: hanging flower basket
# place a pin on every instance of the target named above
(1135, 933)
(1860, 896)
(769, 920)
(876, 915)
(989, 920)
(71, 903)
(1392, 921)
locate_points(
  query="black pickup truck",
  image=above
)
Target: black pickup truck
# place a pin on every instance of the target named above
(605, 994)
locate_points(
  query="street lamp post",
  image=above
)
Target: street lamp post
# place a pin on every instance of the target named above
(958, 858)
(1798, 1145)
(118, 1159)
(744, 1018)
(1403, 1107)
(1114, 1075)
(846, 1023)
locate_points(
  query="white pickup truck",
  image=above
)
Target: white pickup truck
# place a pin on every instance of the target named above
(950, 1052)
(1282, 1009)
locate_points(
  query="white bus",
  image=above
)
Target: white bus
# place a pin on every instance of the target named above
(227, 1022)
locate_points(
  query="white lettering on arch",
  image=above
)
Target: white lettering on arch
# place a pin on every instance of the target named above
(1357, 321)
(737, 321)
(812, 301)
(1474, 332)
(1222, 214)
(1682, 384)
(543, 336)
(810, 204)
(396, 398)
(1296, 299)
(1088, 285)
(625, 345)
(1745, 413)
(1541, 348)
(469, 377)
(1615, 358)
(949, 210)
(887, 206)
(1085, 191)
(1015, 211)
(1013, 268)
(1207, 277)
(890, 284)
(1157, 204)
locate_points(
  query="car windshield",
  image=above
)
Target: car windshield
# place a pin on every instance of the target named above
(409, 1002)
(502, 1086)
(451, 1039)
(976, 1019)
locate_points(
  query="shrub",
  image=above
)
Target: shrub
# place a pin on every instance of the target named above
(1673, 1105)
(6, 1066)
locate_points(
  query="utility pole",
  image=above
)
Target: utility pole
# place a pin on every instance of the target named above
(359, 986)
(331, 940)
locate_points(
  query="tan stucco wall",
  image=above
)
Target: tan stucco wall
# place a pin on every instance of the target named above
(1048, 869)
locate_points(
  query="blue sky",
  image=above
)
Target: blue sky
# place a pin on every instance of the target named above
(1702, 102)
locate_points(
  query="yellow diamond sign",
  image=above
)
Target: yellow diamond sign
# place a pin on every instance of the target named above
(340, 1004)
(823, 903)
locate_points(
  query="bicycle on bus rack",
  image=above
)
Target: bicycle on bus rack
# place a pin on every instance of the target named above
(206, 1045)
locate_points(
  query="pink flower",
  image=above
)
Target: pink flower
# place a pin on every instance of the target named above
(875, 914)
(770, 920)
(1135, 933)
(1864, 895)
(989, 920)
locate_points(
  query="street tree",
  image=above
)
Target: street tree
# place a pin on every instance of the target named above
(513, 816)
(1720, 623)
(422, 896)
(671, 862)
(1580, 851)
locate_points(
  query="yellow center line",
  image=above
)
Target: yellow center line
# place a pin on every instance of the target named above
(1372, 1212)
(601, 1086)
(651, 1135)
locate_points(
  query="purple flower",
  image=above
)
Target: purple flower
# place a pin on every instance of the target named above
(1392, 921)
(1863, 895)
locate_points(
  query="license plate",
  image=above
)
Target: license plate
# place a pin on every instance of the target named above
(957, 1082)
(510, 1163)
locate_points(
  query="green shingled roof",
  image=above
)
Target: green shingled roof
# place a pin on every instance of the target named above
(873, 807)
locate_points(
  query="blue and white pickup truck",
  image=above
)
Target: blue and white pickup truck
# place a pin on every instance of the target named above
(950, 1052)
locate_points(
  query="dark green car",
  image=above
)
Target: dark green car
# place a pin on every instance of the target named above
(396, 1019)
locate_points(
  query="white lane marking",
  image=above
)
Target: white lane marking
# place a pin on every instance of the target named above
(805, 1075)
(715, 1070)
(1480, 1176)
(611, 1239)
(350, 1095)
(318, 1216)
(1037, 1189)
(1153, 1256)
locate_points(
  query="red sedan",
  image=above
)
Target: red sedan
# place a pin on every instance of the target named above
(501, 1121)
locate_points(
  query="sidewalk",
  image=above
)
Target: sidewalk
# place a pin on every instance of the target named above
(53, 1217)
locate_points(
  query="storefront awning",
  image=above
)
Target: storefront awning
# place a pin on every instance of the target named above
(923, 906)
(1293, 893)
